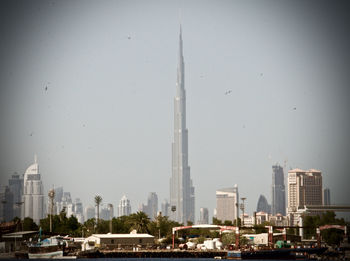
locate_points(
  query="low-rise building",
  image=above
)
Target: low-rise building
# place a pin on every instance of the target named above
(114, 241)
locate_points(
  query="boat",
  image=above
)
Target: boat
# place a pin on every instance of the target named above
(48, 248)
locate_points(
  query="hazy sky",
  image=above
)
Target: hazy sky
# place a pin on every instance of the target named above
(105, 124)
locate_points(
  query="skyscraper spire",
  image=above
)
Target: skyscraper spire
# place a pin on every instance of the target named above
(181, 189)
(181, 66)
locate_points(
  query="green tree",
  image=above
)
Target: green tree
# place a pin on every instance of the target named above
(89, 226)
(103, 226)
(29, 224)
(260, 229)
(228, 223)
(139, 221)
(98, 200)
(330, 236)
(62, 225)
(237, 222)
(216, 221)
(121, 224)
(228, 239)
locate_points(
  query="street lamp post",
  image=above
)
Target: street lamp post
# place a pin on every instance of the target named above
(51, 196)
(242, 208)
(110, 206)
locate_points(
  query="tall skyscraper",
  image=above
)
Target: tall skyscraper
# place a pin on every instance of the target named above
(203, 216)
(263, 205)
(124, 208)
(278, 191)
(33, 193)
(326, 197)
(152, 205)
(304, 188)
(182, 198)
(227, 201)
(16, 187)
(165, 208)
(6, 204)
(89, 212)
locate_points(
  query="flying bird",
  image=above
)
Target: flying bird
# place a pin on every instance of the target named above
(228, 92)
(129, 37)
(295, 108)
(45, 88)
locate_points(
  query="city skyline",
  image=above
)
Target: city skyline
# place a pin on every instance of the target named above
(89, 88)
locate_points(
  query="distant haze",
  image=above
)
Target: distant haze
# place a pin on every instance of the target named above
(266, 81)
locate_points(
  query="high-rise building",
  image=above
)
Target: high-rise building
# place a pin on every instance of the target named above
(89, 212)
(151, 209)
(165, 207)
(182, 197)
(124, 208)
(326, 197)
(79, 210)
(6, 204)
(104, 213)
(16, 187)
(263, 205)
(227, 201)
(203, 216)
(58, 194)
(33, 193)
(304, 188)
(278, 191)
(65, 203)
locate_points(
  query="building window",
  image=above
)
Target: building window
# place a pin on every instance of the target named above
(112, 241)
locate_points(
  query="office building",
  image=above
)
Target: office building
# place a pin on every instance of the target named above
(89, 212)
(203, 216)
(6, 204)
(263, 205)
(326, 197)
(278, 191)
(124, 208)
(16, 187)
(33, 193)
(165, 208)
(227, 204)
(151, 209)
(182, 199)
(304, 188)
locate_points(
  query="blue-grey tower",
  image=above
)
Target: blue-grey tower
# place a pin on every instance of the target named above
(278, 191)
(181, 188)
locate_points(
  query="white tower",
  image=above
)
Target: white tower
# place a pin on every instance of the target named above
(181, 188)
(33, 193)
(124, 208)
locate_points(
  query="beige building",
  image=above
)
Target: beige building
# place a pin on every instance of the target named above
(304, 188)
(227, 201)
(115, 241)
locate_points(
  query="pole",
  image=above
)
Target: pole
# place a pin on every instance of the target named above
(173, 239)
(242, 208)
(237, 238)
(110, 217)
(318, 232)
(51, 196)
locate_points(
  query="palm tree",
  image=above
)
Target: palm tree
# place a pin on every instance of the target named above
(98, 200)
(140, 222)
